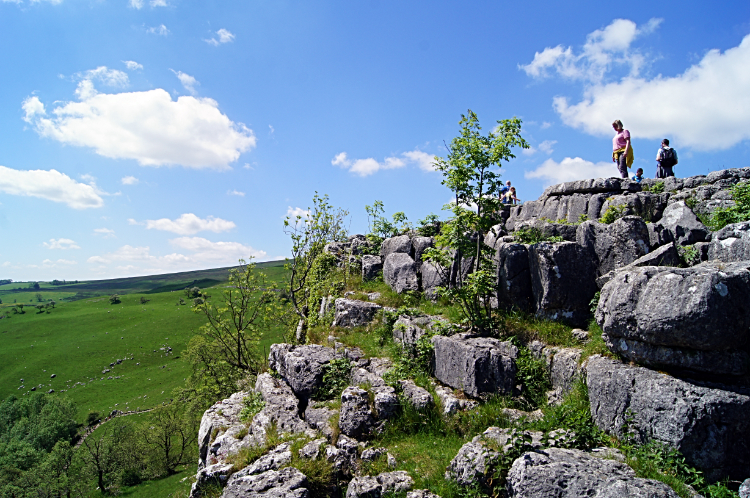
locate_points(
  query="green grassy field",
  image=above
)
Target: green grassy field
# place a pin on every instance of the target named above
(77, 341)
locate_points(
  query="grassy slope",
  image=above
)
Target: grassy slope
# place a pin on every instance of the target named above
(77, 340)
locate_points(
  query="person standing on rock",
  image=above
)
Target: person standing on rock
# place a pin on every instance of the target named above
(666, 157)
(622, 149)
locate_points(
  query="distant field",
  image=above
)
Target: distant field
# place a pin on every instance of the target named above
(77, 340)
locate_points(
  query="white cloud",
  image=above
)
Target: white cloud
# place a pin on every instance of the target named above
(132, 65)
(136, 4)
(61, 244)
(570, 169)
(205, 250)
(130, 180)
(223, 36)
(187, 81)
(48, 263)
(604, 49)
(51, 185)
(146, 126)
(545, 125)
(369, 166)
(105, 232)
(188, 224)
(293, 213)
(236, 192)
(545, 147)
(160, 30)
(158, 3)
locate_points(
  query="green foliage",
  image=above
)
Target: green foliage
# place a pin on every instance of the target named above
(689, 255)
(691, 202)
(380, 228)
(583, 218)
(93, 418)
(533, 375)
(574, 414)
(613, 213)
(192, 292)
(429, 226)
(336, 374)
(253, 404)
(594, 303)
(143, 300)
(533, 235)
(170, 434)
(595, 344)
(656, 188)
(734, 214)
(114, 299)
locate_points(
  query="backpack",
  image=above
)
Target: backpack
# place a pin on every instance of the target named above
(668, 158)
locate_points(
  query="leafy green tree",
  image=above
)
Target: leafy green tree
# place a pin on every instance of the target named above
(171, 433)
(114, 299)
(471, 171)
(380, 227)
(39, 297)
(310, 233)
(109, 453)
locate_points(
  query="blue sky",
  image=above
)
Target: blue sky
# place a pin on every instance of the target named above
(152, 136)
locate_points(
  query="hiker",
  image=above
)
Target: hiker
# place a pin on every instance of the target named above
(638, 175)
(509, 197)
(504, 189)
(666, 157)
(622, 149)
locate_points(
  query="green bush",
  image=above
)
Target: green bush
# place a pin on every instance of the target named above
(734, 214)
(114, 299)
(656, 188)
(253, 405)
(335, 378)
(533, 375)
(613, 213)
(533, 235)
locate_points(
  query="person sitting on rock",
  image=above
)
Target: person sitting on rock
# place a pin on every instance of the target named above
(638, 175)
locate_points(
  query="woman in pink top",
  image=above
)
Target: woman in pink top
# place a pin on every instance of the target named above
(622, 150)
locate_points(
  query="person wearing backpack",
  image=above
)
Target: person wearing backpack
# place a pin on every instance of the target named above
(666, 157)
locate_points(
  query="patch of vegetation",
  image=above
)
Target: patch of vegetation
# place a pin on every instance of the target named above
(527, 327)
(114, 299)
(253, 404)
(336, 374)
(656, 188)
(735, 214)
(689, 255)
(533, 375)
(533, 235)
(613, 213)
(595, 302)
(595, 344)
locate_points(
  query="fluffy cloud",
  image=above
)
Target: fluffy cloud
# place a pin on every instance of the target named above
(570, 169)
(293, 213)
(703, 108)
(187, 81)
(130, 180)
(146, 126)
(132, 65)
(545, 147)
(222, 36)
(188, 224)
(136, 4)
(202, 253)
(61, 244)
(604, 49)
(160, 30)
(236, 192)
(51, 185)
(105, 232)
(369, 166)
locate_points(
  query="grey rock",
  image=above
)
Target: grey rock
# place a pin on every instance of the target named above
(494, 236)
(745, 489)
(731, 243)
(408, 329)
(353, 313)
(356, 419)
(319, 418)
(565, 369)
(217, 474)
(358, 243)
(679, 224)
(273, 460)
(373, 296)
(392, 463)
(224, 414)
(379, 366)
(400, 272)
(420, 244)
(386, 402)
(286, 483)
(646, 205)
(567, 473)
(421, 493)
(709, 426)
(361, 376)
(312, 450)
(371, 266)
(416, 396)
(476, 365)
(580, 334)
(375, 487)
(666, 255)
(372, 454)
(514, 277)
(615, 245)
(399, 244)
(302, 366)
(565, 231)
(281, 408)
(433, 276)
(343, 456)
(688, 318)
(563, 281)
(514, 415)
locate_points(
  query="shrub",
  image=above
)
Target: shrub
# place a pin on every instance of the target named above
(114, 299)
(92, 418)
(253, 405)
(689, 255)
(335, 378)
(143, 300)
(656, 188)
(533, 235)
(613, 213)
(532, 374)
(735, 214)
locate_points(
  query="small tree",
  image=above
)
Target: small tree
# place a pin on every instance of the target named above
(381, 228)
(310, 233)
(39, 297)
(471, 171)
(114, 299)
(143, 300)
(171, 433)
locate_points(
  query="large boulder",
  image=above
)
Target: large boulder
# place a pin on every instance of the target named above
(377, 486)
(680, 225)
(221, 415)
(302, 367)
(319, 417)
(563, 281)
(564, 473)
(285, 483)
(476, 365)
(709, 426)
(400, 272)
(356, 419)
(282, 409)
(421, 244)
(614, 245)
(371, 266)
(731, 243)
(666, 255)
(416, 396)
(513, 276)
(399, 244)
(694, 318)
(354, 313)
(433, 276)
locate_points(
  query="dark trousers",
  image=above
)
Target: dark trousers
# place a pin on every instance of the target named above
(622, 165)
(663, 171)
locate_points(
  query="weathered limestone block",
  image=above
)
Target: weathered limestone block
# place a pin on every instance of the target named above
(476, 365)
(285, 483)
(400, 272)
(356, 419)
(374, 487)
(302, 366)
(420, 244)
(709, 426)
(731, 243)
(371, 265)
(281, 408)
(223, 414)
(514, 277)
(416, 396)
(353, 313)
(687, 318)
(399, 244)
(615, 245)
(680, 225)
